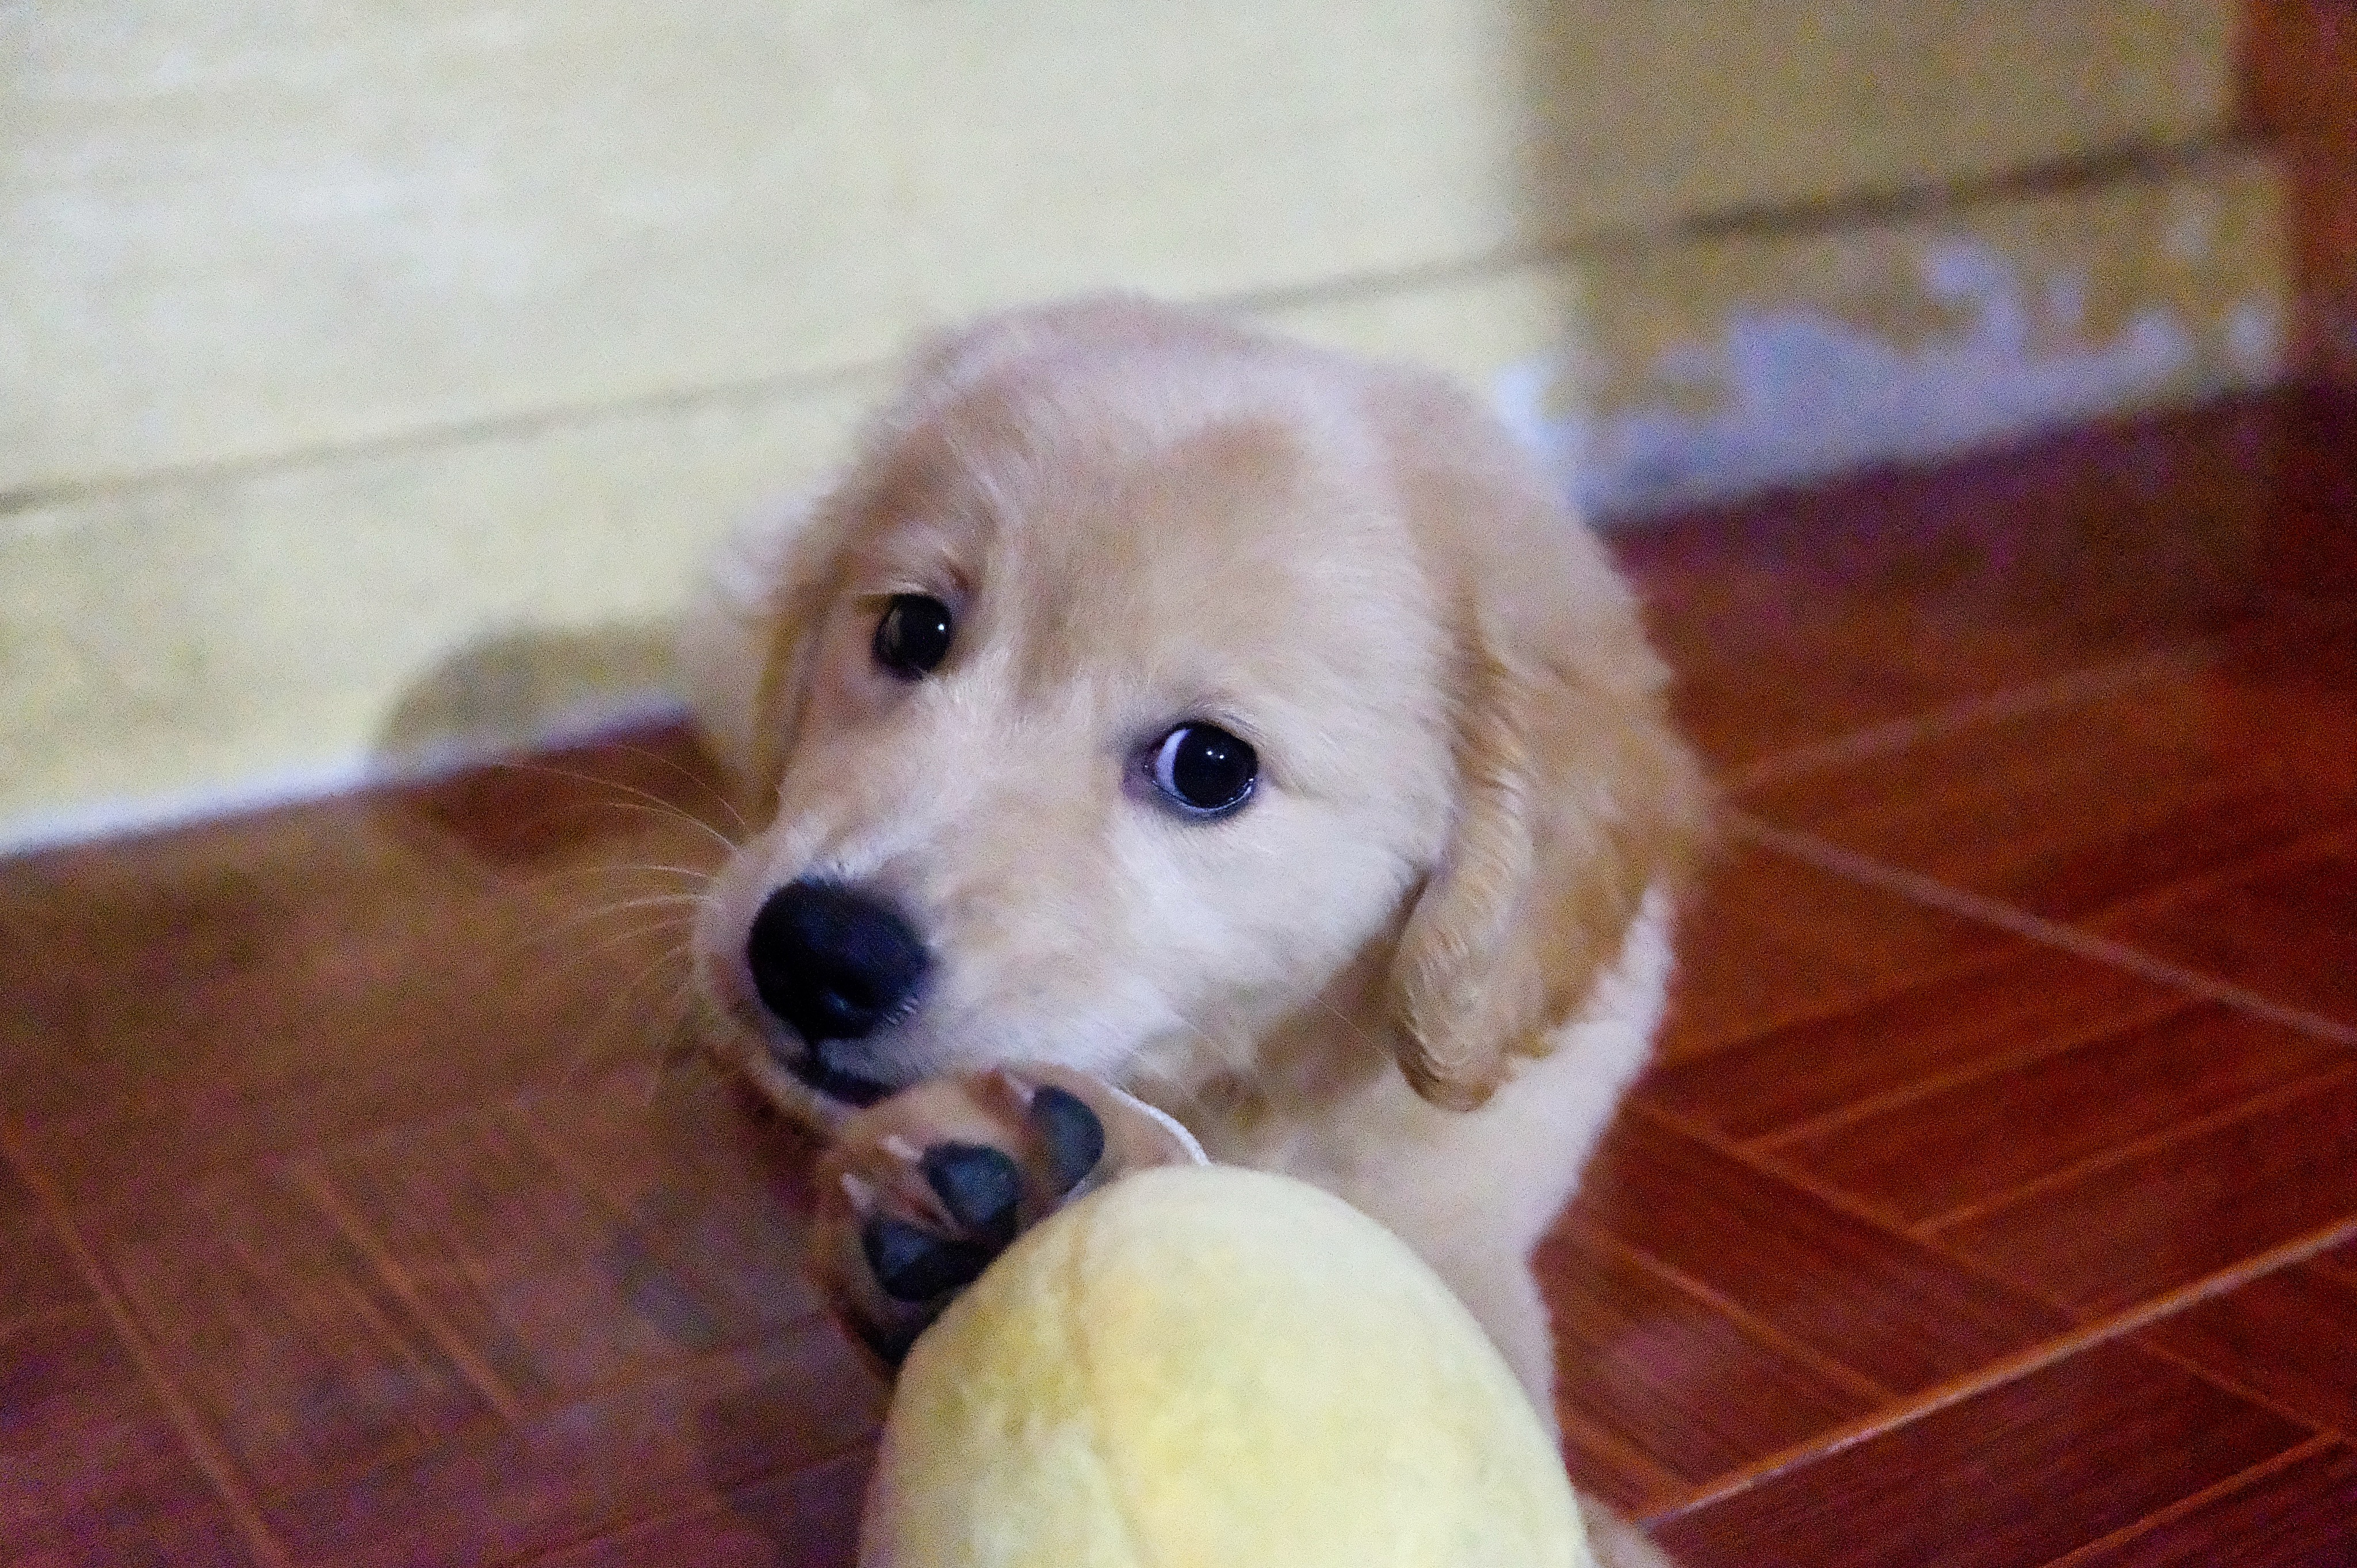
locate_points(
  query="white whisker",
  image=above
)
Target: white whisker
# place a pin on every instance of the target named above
(580, 918)
(693, 777)
(593, 1041)
(653, 803)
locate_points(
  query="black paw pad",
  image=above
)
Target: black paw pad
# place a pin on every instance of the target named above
(980, 1185)
(917, 1265)
(1074, 1137)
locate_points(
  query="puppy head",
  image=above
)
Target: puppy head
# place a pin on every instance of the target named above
(1141, 680)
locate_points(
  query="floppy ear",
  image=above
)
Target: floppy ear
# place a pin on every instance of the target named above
(1575, 799)
(1576, 796)
(741, 646)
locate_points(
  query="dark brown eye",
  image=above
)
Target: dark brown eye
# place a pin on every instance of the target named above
(913, 635)
(1204, 770)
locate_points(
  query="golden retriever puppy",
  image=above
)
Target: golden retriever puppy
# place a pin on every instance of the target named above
(1244, 725)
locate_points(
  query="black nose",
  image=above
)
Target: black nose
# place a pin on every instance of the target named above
(833, 962)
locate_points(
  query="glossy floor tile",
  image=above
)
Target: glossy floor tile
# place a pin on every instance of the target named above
(1967, 1145)
(2228, 927)
(1819, 618)
(1636, 1328)
(2294, 1514)
(1904, 1317)
(2014, 1000)
(1773, 942)
(2170, 1212)
(1992, 1201)
(92, 1465)
(2118, 797)
(2022, 1472)
(2288, 1338)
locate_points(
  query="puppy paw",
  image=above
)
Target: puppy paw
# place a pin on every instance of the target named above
(918, 1194)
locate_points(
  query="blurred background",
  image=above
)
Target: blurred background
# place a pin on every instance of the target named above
(372, 376)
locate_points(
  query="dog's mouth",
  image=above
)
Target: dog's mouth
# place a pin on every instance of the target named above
(811, 1066)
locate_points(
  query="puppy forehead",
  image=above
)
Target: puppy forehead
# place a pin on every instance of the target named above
(1102, 520)
(1219, 526)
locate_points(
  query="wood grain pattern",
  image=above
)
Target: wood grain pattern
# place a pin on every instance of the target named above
(1665, 1371)
(2241, 748)
(2068, 813)
(2284, 931)
(1943, 1028)
(1968, 1144)
(91, 1468)
(2289, 1337)
(1612, 1471)
(1897, 1313)
(1770, 942)
(2300, 1515)
(545, 1288)
(571, 1471)
(36, 1273)
(302, 1359)
(258, 989)
(2174, 1213)
(806, 1519)
(2011, 1478)
(690, 1156)
(1824, 615)
(17, 1201)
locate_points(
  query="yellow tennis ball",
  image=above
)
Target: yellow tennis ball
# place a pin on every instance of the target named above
(1212, 1368)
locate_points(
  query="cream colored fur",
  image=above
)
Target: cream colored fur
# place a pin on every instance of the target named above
(1419, 968)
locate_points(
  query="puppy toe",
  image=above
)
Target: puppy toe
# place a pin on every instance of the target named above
(1082, 1132)
(981, 1187)
(1072, 1136)
(914, 1266)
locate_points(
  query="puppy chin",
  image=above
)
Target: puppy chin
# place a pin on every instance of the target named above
(748, 1055)
(814, 1087)
(819, 1069)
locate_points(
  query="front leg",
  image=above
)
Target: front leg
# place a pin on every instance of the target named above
(919, 1193)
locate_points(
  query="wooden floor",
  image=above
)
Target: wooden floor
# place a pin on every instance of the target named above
(1995, 1202)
